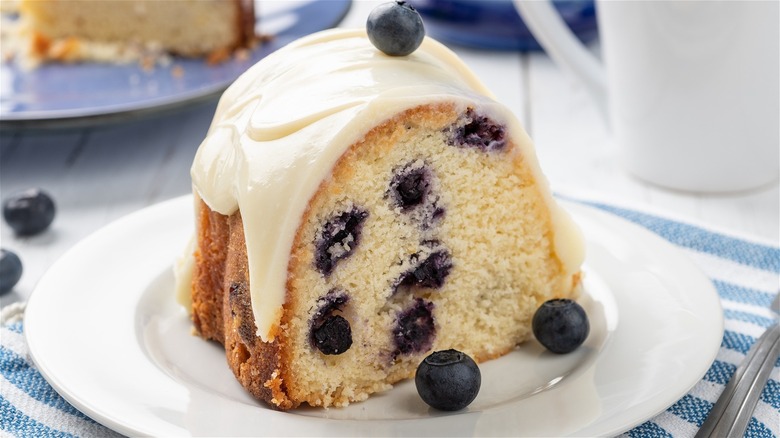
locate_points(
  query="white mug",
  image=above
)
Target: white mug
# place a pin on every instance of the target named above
(690, 88)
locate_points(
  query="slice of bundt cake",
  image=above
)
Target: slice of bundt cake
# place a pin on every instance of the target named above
(356, 211)
(120, 31)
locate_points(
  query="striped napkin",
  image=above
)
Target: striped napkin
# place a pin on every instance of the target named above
(745, 272)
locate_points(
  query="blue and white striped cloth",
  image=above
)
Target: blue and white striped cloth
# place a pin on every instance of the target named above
(745, 272)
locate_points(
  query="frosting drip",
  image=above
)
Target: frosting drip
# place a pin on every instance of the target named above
(280, 128)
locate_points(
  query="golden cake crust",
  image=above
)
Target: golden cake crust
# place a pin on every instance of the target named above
(221, 310)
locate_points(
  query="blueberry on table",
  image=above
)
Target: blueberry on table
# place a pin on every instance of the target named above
(29, 212)
(561, 325)
(395, 28)
(448, 380)
(10, 270)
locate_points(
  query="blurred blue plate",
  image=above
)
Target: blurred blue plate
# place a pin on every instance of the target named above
(57, 95)
(495, 24)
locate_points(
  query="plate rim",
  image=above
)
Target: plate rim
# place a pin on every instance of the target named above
(72, 397)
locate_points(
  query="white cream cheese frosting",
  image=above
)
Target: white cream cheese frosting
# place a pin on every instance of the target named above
(280, 128)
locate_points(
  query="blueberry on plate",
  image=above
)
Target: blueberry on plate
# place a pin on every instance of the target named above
(395, 28)
(561, 325)
(29, 212)
(10, 270)
(448, 380)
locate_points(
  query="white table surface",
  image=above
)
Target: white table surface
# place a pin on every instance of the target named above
(98, 174)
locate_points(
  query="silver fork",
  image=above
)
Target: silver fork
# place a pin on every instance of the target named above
(732, 412)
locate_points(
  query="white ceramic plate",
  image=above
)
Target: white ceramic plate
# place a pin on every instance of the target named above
(105, 331)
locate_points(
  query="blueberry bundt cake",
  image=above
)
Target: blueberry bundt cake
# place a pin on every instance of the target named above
(356, 211)
(119, 31)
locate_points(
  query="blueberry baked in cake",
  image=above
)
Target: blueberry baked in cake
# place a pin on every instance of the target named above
(356, 211)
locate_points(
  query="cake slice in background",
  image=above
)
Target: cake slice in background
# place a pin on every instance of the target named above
(129, 30)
